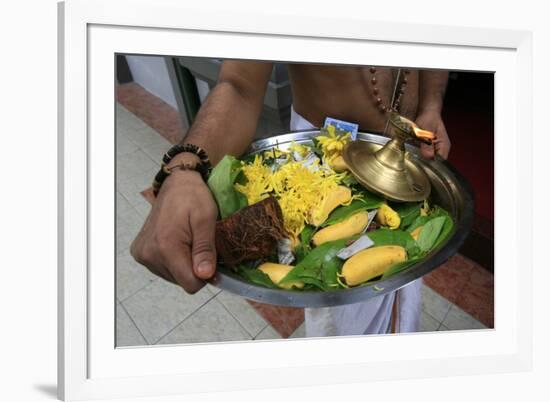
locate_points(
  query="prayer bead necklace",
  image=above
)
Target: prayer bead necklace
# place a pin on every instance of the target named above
(376, 92)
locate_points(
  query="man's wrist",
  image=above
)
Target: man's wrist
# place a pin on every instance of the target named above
(432, 108)
(184, 158)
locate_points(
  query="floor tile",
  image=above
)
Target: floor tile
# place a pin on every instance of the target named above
(131, 276)
(299, 332)
(285, 320)
(124, 145)
(157, 114)
(147, 136)
(268, 333)
(458, 319)
(161, 306)
(127, 125)
(450, 278)
(211, 323)
(128, 225)
(477, 296)
(428, 323)
(243, 312)
(434, 304)
(131, 187)
(148, 195)
(157, 149)
(127, 333)
(134, 164)
(213, 289)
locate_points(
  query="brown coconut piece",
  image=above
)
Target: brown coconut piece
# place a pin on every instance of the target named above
(250, 233)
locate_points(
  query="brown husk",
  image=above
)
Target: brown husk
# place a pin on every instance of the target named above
(250, 233)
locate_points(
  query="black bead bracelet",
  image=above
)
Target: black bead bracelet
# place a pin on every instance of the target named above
(203, 167)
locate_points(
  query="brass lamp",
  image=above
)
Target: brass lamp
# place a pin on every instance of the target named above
(388, 170)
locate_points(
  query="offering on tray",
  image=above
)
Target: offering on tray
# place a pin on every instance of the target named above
(296, 219)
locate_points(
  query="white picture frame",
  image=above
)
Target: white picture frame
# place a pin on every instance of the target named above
(91, 32)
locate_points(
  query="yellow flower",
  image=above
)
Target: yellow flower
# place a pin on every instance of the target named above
(258, 185)
(274, 153)
(302, 150)
(297, 188)
(333, 144)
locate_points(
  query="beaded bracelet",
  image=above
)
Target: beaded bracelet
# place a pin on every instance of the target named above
(203, 167)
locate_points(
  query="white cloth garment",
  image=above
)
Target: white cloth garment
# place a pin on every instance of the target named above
(369, 317)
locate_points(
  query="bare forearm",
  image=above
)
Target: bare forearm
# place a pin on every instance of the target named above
(226, 122)
(432, 90)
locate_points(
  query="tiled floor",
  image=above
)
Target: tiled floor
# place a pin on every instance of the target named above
(152, 311)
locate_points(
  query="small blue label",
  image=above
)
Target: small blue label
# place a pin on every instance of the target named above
(343, 125)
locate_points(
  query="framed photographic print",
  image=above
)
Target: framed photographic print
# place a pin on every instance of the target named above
(374, 163)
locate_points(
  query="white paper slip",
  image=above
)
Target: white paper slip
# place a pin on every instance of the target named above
(311, 161)
(284, 252)
(372, 214)
(358, 245)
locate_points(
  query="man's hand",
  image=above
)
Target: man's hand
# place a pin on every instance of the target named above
(177, 239)
(432, 121)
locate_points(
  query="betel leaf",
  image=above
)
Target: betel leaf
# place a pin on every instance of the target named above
(256, 276)
(329, 273)
(372, 201)
(400, 267)
(408, 212)
(221, 183)
(303, 247)
(448, 226)
(419, 221)
(349, 181)
(385, 237)
(307, 233)
(309, 270)
(430, 233)
(343, 212)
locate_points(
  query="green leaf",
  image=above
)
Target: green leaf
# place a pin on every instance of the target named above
(349, 181)
(343, 212)
(304, 247)
(307, 234)
(430, 233)
(256, 276)
(408, 212)
(372, 201)
(400, 267)
(310, 269)
(329, 273)
(448, 227)
(419, 221)
(384, 237)
(221, 182)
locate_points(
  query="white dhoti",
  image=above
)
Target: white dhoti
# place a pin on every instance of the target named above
(398, 311)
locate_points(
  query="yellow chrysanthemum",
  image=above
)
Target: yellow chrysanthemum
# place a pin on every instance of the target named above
(333, 144)
(274, 153)
(297, 188)
(258, 185)
(302, 150)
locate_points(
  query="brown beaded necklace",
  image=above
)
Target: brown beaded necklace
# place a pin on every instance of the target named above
(376, 92)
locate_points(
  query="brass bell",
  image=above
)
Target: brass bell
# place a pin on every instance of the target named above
(388, 170)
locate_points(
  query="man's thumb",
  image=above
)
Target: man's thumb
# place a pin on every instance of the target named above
(204, 253)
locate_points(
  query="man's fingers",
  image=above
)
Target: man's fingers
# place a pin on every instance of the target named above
(427, 151)
(203, 248)
(177, 259)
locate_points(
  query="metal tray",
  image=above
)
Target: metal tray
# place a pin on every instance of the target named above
(449, 190)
